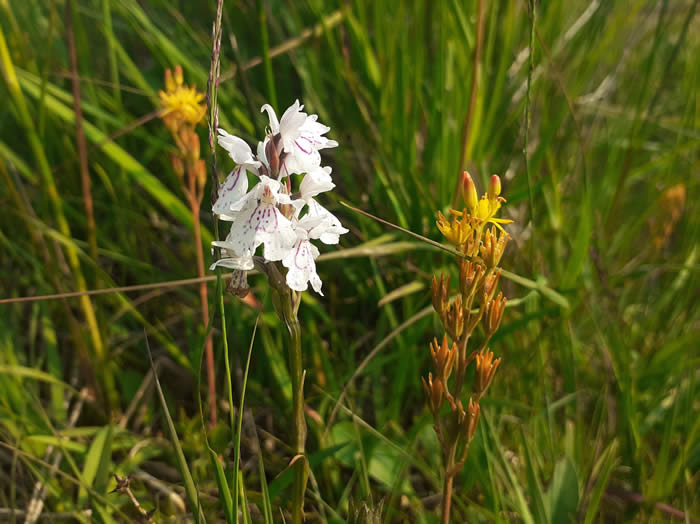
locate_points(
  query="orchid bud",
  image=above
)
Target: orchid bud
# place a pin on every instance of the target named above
(273, 157)
(469, 191)
(238, 285)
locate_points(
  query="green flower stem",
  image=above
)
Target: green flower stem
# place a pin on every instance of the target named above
(286, 303)
(297, 373)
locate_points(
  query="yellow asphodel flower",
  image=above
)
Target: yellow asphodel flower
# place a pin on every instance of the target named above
(182, 103)
(456, 231)
(483, 211)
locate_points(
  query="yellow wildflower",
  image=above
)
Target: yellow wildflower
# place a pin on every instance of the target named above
(181, 103)
(456, 231)
(484, 211)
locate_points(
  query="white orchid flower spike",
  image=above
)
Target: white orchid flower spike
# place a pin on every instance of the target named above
(267, 214)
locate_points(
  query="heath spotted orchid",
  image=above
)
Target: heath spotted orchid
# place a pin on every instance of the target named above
(271, 213)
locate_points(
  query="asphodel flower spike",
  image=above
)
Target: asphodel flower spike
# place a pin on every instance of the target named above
(181, 110)
(473, 231)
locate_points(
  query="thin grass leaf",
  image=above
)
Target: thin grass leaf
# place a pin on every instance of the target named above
(563, 492)
(219, 474)
(237, 434)
(537, 494)
(97, 462)
(266, 502)
(604, 468)
(401, 292)
(245, 510)
(190, 489)
(223, 487)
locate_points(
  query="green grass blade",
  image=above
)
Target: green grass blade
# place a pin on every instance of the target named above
(604, 468)
(223, 487)
(190, 488)
(97, 462)
(237, 434)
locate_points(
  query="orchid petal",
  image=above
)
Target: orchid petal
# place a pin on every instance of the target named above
(231, 191)
(274, 123)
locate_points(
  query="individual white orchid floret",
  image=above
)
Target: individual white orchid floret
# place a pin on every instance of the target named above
(229, 258)
(316, 182)
(300, 137)
(231, 191)
(289, 126)
(238, 285)
(300, 260)
(304, 151)
(329, 227)
(312, 132)
(239, 151)
(258, 220)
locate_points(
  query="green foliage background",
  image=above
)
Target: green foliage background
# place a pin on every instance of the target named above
(594, 412)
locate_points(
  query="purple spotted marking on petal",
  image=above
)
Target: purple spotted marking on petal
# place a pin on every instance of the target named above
(234, 181)
(304, 254)
(301, 148)
(263, 218)
(311, 139)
